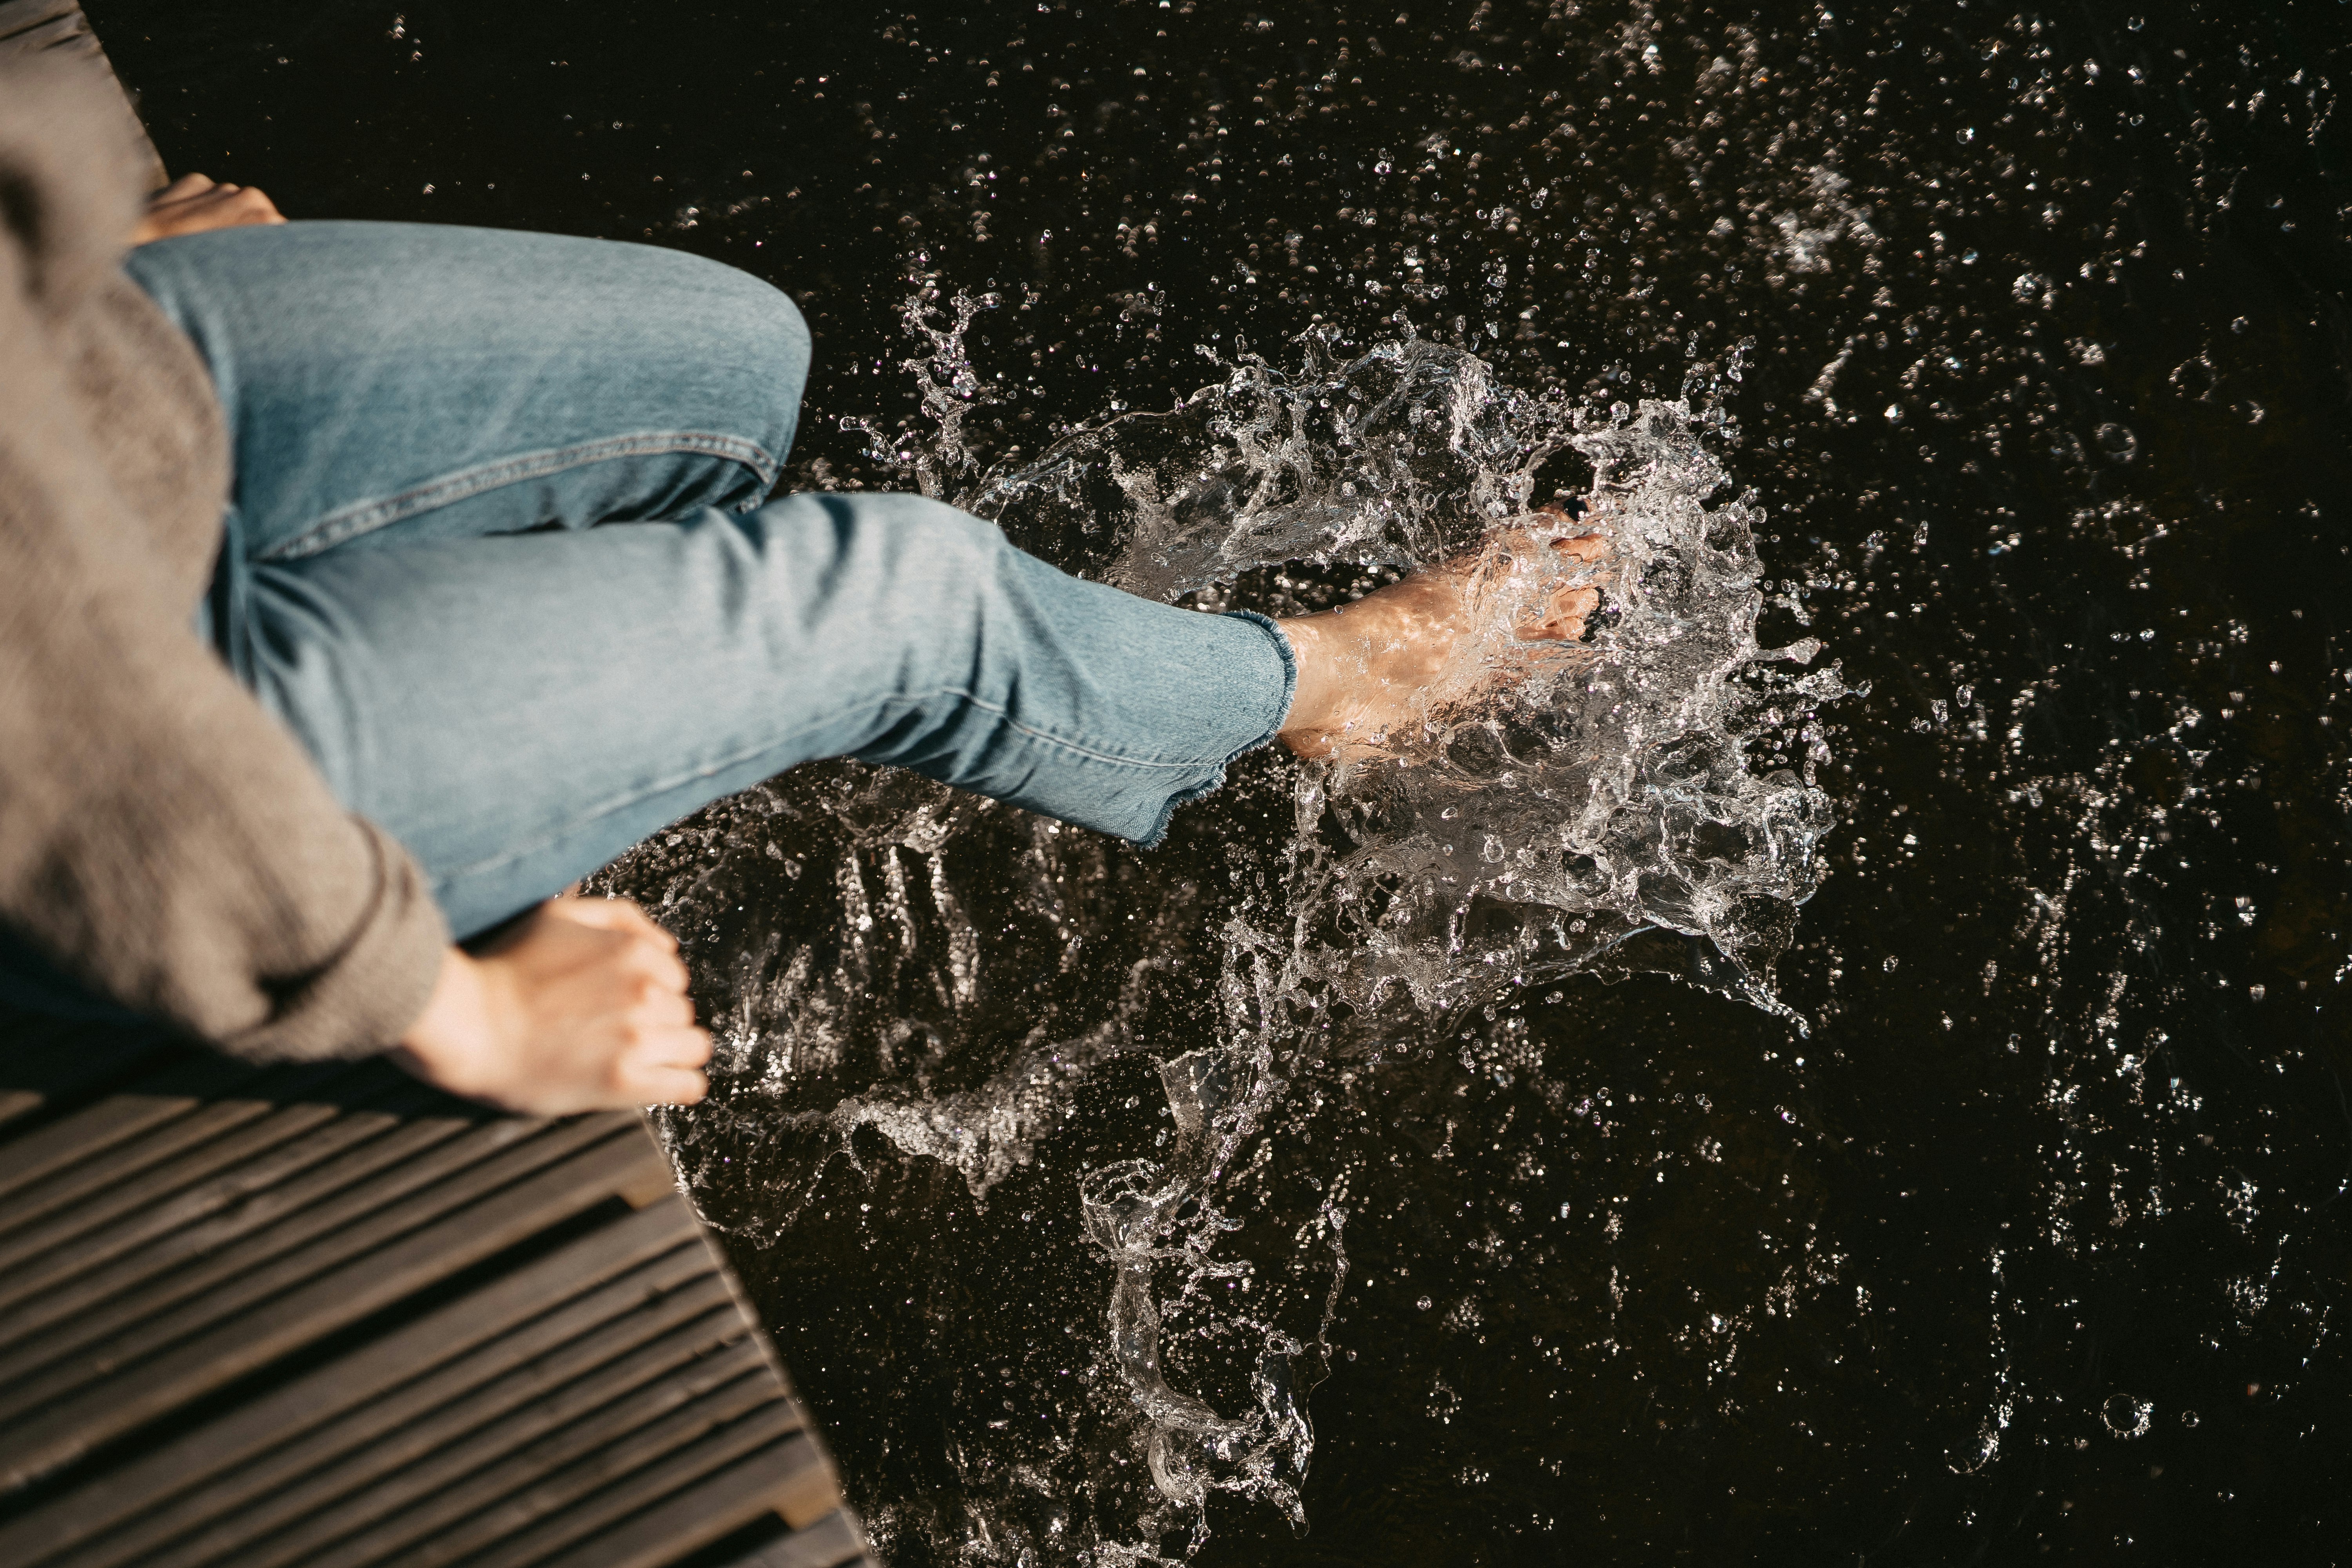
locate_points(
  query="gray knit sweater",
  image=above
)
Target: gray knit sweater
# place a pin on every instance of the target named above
(162, 837)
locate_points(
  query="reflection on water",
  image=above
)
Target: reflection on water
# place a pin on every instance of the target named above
(1037, 1148)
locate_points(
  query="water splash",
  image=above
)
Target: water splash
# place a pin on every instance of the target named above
(1611, 794)
(1645, 799)
(1614, 792)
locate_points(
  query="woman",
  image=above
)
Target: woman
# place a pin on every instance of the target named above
(364, 584)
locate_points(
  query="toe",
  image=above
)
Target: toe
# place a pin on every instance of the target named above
(1564, 616)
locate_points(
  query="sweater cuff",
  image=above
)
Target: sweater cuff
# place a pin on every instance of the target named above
(364, 998)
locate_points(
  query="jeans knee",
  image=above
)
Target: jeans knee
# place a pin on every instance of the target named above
(774, 336)
(750, 339)
(778, 333)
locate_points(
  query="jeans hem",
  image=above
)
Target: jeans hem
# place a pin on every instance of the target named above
(365, 517)
(1289, 690)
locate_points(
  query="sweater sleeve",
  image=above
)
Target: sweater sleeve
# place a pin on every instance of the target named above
(162, 839)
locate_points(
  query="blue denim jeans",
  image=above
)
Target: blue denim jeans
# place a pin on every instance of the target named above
(500, 555)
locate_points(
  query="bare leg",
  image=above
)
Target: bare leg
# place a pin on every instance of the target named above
(1385, 664)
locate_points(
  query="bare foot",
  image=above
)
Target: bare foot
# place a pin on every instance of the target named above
(1389, 661)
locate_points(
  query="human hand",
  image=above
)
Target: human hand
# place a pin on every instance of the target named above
(582, 1006)
(193, 203)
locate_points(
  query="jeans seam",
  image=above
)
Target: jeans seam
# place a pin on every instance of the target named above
(365, 517)
(646, 792)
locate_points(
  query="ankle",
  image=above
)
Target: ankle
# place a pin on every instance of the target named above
(1315, 691)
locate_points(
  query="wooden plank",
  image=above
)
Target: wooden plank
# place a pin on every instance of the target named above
(87, 1134)
(202, 1261)
(224, 1100)
(421, 1478)
(174, 1200)
(205, 1120)
(717, 1505)
(830, 1543)
(175, 1091)
(809, 1497)
(98, 1323)
(45, 1432)
(543, 1458)
(370, 1480)
(82, 1206)
(575, 1503)
(269, 1480)
(642, 1267)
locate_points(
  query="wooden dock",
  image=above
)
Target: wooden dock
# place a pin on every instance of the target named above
(325, 1315)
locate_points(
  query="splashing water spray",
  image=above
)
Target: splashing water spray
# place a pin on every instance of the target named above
(1644, 800)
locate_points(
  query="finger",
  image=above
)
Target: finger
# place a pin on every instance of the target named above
(1574, 604)
(1565, 617)
(1573, 610)
(200, 211)
(674, 1060)
(1587, 547)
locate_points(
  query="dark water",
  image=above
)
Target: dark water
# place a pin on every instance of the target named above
(2034, 1248)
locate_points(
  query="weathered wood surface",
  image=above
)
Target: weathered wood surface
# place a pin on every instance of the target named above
(323, 1315)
